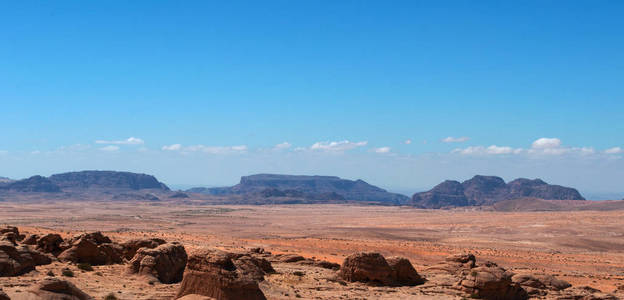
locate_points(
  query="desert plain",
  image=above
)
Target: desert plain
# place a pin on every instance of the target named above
(582, 247)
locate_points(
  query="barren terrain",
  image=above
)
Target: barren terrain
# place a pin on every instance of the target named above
(581, 247)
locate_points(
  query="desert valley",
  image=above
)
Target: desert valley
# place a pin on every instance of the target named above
(310, 237)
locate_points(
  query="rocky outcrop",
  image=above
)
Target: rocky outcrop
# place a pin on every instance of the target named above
(50, 243)
(31, 239)
(92, 248)
(107, 180)
(373, 268)
(57, 289)
(223, 275)
(165, 262)
(130, 247)
(492, 282)
(488, 190)
(538, 284)
(18, 260)
(321, 188)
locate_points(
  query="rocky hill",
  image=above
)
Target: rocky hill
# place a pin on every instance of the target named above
(327, 188)
(107, 179)
(5, 180)
(487, 190)
(84, 180)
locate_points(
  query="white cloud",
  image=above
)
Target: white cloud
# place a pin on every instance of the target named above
(110, 148)
(546, 143)
(493, 149)
(614, 150)
(284, 145)
(382, 150)
(174, 147)
(128, 141)
(337, 146)
(451, 139)
(407, 142)
(206, 149)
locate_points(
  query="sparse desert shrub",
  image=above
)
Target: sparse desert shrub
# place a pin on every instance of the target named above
(85, 267)
(68, 273)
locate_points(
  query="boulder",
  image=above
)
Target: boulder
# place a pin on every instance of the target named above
(165, 262)
(18, 260)
(222, 275)
(456, 264)
(85, 250)
(31, 239)
(366, 267)
(95, 237)
(6, 229)
(57, 289)
(9, 237)
(404, 272)
(491, 282)
(50, 243)
(130, 247)
(538, 283)
(3, 296)
(290, 258)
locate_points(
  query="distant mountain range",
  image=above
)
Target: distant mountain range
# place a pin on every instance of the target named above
(84, 180)
(487, 190)
(322, 188)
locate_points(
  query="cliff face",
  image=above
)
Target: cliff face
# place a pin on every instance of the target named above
(310, 187)
(487, 190)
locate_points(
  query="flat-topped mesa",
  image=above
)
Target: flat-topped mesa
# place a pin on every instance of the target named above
(34, 184)
(310, 187)
(487, 190)
(107, 180)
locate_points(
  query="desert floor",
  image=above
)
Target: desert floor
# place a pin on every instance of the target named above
(584, 248)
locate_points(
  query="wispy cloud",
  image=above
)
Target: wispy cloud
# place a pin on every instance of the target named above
(451, 139)
(337, 146)
(282, 146)
(110, 148)
(128, 141)
(382, 150)
(481, 150)
(407, 142)
(206, 149)
(614, 150)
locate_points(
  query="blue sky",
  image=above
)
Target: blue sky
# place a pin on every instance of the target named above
(228, 81)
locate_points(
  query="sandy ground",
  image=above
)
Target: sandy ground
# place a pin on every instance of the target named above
(584, 248)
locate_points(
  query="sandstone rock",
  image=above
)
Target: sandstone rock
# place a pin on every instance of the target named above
(9, 237)
(57, 289)
(290, 258)
(455, 264)
(491, 282)
(6, 229)
(367, 267)
(85, 250)
(222, 275)
(31, 239)
(193, 297)
(18, 260)
(540, 282)
(3, 296)
(404, 272)
(585, 293)
(95, 237)
(165, 262)
(326, 265)
(130, 247)
(50, 243)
